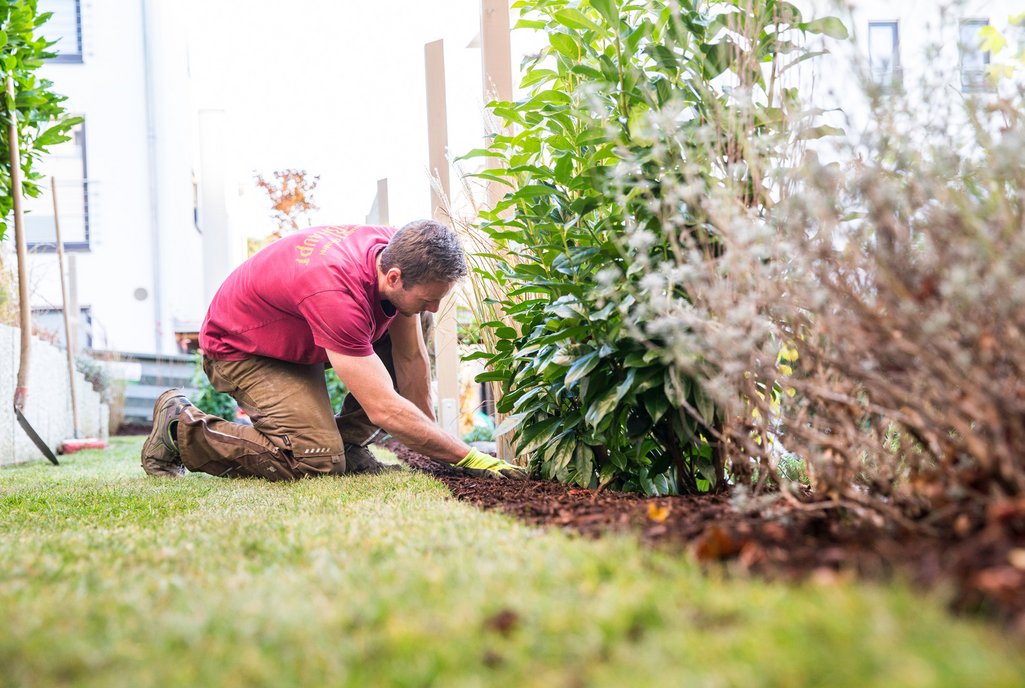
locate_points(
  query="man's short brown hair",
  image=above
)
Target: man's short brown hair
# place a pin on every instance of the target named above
(425, 251)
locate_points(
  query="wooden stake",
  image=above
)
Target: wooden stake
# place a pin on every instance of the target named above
(496, 68)
(67, 317)
(446, 342)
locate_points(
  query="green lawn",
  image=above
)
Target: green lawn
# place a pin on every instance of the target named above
(109, 578)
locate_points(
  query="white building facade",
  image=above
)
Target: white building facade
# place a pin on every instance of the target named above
(930, 50)
(129, 183)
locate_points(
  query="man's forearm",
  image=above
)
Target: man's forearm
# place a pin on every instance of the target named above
(413, 428)
(414, 382)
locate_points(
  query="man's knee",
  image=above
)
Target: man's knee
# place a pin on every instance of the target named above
(317, 466)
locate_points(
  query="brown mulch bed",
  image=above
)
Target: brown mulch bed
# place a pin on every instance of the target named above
(133, 429)
(981, 559)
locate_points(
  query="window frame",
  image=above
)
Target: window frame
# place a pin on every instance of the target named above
(73, 58)
(85, 323)
(896, 79)
(972, 87)
(85, 245)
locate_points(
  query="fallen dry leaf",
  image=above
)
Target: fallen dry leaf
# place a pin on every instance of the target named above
(716, 543)
(1002, 582)
(503, 622)
(657, 513)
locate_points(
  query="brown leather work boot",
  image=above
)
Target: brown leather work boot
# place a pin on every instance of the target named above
(160, 455)
(360, 460)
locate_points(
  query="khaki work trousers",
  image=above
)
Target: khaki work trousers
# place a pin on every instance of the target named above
(295, 432)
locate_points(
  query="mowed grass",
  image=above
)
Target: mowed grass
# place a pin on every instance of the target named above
(110, 578)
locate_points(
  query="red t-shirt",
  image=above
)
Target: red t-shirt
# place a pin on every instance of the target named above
(307, 292)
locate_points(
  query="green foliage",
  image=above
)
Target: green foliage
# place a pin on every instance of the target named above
(336, 389)
(40, 114)
(479, 433)
(587, 158)
(208, 399)
(95, 374)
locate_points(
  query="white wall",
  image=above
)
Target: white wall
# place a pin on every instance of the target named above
(109, 89)
(929, 50)
(48, 407)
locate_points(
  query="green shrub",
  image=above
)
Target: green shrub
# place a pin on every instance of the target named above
(208, 399)
(336, 389)
(590, 399)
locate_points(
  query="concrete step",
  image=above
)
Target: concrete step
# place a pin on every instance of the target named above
(147, 376)
(139, 400)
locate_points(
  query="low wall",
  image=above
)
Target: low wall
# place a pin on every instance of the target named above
(48, 407)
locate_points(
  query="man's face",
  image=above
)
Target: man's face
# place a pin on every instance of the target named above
(419, 298)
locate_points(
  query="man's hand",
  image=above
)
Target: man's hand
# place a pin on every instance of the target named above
(480, 465)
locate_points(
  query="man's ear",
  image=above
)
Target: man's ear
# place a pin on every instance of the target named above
(394, 278)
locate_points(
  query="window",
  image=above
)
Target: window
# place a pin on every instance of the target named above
(50, 324)
(884, 53)
(974, 59)
(65, 27)
(66, 164)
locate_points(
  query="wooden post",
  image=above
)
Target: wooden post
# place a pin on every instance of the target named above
(73, 309)
(496, 53)
(446, 343)
(496, 69)
(64, 301)
(378, 214)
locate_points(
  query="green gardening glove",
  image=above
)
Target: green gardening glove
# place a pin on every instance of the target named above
(480, 465)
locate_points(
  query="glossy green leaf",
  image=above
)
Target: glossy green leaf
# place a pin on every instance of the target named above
(705, 406)
(510, 423)
(540, 431)
(491, 376)
(828, 26)
(536, 24)
(538, 76)
(664, 57)
(819, 132)
(565, 44)
(787, 13)
(560, 458)
(656, 404)
(575, 19)
(608, 10)
(506, 332)
(598, 409)
(480, 153)
(583, 464)
(535, 191)
(581, 367)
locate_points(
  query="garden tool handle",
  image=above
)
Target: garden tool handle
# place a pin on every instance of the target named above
(21, 386)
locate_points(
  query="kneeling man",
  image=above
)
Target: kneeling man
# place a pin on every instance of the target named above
(348, 296)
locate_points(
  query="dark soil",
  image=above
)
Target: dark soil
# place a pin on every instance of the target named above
(133, 429)
(980, 557)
